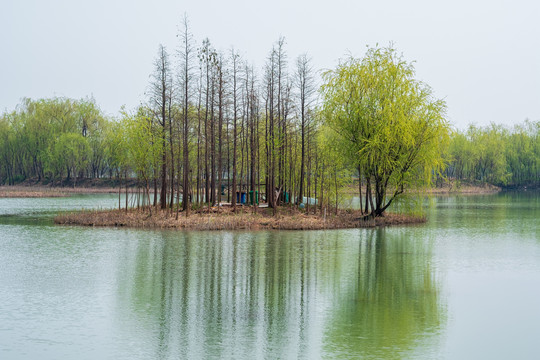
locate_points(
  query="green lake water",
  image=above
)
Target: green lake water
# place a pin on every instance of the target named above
(466, 285)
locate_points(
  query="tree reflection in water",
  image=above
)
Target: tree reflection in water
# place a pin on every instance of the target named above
(279, 294)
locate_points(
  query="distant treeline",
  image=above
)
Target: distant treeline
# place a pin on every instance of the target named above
(507, 157)
(54, 139)
(61, 139)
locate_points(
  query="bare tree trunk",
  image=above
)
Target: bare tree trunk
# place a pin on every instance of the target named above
(242, 146)
(235, 115)
(187, 50)
(253, 117)
(336, 187)
(220, 127)
(228, 141)
(125, 177)
(316, 178)
(171, 145)
(198, 200)
(322, 186)
(164, 84)
(119, 189)
(258, 153)
(207, 55)
(155, 189)
(306, 88)
(360, 185)
(212, 148)
(206, 152)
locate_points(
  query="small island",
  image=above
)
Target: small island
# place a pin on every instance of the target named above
(245, 218)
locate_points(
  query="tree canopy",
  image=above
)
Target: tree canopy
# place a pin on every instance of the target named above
(389, 123)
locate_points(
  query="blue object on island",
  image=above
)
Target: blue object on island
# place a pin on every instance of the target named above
(240, 197)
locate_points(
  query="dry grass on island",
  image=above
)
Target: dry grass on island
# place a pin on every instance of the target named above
(223, 218)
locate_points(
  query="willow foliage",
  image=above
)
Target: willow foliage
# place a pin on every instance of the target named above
(390, 122)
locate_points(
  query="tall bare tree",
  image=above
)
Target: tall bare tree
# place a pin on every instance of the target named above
(253, 131)
(270, 89)
(234, 63)
(220, 69)
(305, 84)
(207, 56)
(160, 97)
(186, 56)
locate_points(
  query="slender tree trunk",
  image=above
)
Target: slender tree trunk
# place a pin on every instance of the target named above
(336, 187)
(212, 150)
(172, 160)
(220, 130)
(253, 152)
(206, 136)
(322, 186)
(186, 57)
(155, 189)
(163, 193)
(119, 189)
(360, 186)
(186, 196)
(302, 161)
(316, 178)
(125, 177)
(235, 141)
(368, 194)
(198, 200)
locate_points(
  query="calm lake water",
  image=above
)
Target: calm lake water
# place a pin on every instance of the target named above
(466, 285)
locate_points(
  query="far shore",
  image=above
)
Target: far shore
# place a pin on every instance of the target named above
(445, 189)
(467, 189)
(42, 191)
(37, 190)
(244, 218)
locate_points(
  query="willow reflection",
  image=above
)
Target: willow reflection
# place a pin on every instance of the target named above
(391, 304)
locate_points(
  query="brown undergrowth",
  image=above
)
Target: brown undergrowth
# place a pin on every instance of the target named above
(223, 218)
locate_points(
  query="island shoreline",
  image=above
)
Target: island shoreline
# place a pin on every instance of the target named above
(286, 218)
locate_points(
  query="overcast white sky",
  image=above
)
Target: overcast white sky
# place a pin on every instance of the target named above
(483, 57)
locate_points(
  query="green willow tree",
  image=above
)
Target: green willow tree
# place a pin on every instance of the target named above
(390, 122)
(334, 172)
(146, 161)
(72, 152)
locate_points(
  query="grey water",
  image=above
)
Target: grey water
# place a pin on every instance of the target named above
(466, 285)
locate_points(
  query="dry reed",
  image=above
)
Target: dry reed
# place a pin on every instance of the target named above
(225, 219)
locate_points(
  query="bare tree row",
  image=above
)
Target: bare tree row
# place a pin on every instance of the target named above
(227, 132)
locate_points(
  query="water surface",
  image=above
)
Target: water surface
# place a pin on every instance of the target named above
(463, 286)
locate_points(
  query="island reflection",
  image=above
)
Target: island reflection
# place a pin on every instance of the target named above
(332, 294)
